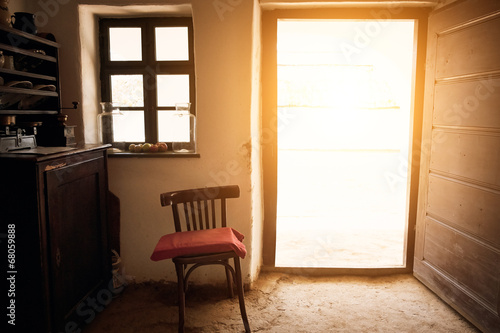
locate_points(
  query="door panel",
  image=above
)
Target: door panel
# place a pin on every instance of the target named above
(458, 254)
(467, 155)
(74, 207)
(457, 251)
(472, 209)
(475, 100)
(454, 57)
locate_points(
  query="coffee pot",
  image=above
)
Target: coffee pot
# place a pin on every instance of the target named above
(24, 21)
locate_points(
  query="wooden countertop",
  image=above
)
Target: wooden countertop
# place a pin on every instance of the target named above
(40, 154)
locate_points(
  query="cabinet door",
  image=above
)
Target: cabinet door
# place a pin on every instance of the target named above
(457, 251)
(79, 264)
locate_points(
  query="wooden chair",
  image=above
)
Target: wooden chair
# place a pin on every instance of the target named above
(198, 209)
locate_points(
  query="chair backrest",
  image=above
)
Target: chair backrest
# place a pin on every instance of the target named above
(197, 209)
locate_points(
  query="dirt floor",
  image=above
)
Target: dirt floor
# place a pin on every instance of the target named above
(287, 303)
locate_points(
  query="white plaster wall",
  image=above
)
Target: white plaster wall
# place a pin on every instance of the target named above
(226, 121)
(255, 149)
(18, 6)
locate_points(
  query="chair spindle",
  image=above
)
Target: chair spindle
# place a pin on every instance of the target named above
(214, 219)
(207, 221)
(186, 216)
(223, 211)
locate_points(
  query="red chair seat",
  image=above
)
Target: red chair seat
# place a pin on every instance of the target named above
(199, 242)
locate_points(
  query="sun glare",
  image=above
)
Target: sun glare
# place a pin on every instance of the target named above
(345, 88)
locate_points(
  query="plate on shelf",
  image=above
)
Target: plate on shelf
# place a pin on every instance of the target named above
(19, 84)
(9, 100)
(46, 87)
(34, 101)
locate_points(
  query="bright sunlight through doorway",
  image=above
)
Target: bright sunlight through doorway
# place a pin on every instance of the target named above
(344, 104)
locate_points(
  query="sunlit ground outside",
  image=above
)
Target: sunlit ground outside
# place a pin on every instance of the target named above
(343, 138)
(339, 213)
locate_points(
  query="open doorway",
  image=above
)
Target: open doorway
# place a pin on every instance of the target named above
(343, 142)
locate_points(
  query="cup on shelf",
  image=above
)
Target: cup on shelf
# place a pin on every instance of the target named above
(9, 62)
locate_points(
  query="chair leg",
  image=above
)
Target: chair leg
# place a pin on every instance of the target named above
(241, 297)
(229, 278)
(179, 268)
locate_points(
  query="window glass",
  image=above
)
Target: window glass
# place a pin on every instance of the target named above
(146, 80)
(172, 89)
(129, 127)
(173, 126)
(125, 44)
(127, 90)
(172, 43)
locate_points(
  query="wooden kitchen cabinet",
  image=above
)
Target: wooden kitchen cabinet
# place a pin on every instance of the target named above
(31, 85)
(30, 92)
(57, 205)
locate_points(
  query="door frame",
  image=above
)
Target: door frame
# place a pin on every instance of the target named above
(270, 121)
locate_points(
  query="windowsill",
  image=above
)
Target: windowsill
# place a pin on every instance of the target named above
(115, 152)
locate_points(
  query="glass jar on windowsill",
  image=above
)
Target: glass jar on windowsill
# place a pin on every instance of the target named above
(187, 121)
(105, 122)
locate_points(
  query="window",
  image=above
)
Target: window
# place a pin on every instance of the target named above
(147, 67)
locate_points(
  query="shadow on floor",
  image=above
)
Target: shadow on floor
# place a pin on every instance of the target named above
(286, 303)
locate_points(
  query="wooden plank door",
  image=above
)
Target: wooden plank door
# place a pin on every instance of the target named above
(457, 252)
